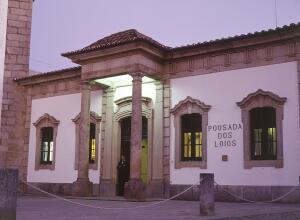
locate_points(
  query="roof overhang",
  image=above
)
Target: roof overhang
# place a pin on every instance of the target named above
(116, 51)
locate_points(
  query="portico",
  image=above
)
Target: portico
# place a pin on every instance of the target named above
(134, 61)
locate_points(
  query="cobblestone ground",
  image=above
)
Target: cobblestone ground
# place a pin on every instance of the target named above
(33, 208)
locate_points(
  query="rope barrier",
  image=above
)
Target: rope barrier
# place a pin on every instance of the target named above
(252, 201)
(156, 203)
(108, 208)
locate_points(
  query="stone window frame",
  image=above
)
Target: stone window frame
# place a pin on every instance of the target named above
(260, 99)
(189, 106)
(45, 120)
(95, 119)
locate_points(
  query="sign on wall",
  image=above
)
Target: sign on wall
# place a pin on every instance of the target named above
(225, 135)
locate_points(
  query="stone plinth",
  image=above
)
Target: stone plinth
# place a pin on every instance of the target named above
(8, 193)
(207, 194)
(82, 187)
(135, 190)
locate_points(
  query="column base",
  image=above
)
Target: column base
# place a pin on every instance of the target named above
(135, 190)
(107, 188)
(82, 187)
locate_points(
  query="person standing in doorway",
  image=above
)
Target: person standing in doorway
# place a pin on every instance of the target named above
(123, 175)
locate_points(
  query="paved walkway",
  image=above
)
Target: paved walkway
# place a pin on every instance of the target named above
(34, 208)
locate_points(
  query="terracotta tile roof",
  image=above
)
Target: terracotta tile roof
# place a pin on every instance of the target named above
(133, 35)
(76, 68)
(285, 28)
(116, 39)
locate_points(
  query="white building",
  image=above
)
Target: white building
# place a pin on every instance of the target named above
(228, 107)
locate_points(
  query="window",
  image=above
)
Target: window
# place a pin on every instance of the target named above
(92, 147)
(46, 132)
(191, 137)
(93, 142)
(47, 145)
(190, 121)
(263, 133)
(262, 115)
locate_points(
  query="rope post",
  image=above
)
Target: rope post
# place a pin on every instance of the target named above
(207, 194)
(8, 193)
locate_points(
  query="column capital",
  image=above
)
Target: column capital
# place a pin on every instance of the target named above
(157, 83)
(85, 85)
(137, 76)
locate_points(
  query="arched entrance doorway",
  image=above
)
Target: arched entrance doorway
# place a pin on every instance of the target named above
(123, 173)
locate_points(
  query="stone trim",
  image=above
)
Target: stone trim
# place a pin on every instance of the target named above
(124, 107)
(298, 70)
(189, 106)
(64, 74)
(247, 100)
(106, 180)
(157, 146)
(232, 58)
(298, 74)
(96, 119)
(166, 135)
(45, 121)
(201, 62)
(260, 99)
(27, 128)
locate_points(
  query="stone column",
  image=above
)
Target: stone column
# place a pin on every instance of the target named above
(135, 188)
(8, 193)
(207, 194)
(82, 186)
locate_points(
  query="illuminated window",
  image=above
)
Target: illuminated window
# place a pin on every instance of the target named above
(262, 115)
(190, 121)
(47, 145)
(263, 134)
(191, 132)
(93, 141)
(92, 147)
(46, 132)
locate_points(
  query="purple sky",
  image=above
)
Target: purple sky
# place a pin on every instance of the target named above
(64, 25)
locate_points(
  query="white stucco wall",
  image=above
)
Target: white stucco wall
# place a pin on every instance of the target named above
(3, 24)
(64, 108)
(222, 91)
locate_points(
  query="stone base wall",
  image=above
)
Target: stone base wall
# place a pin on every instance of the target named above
(64, 189)
(155, 189)
(254, 193)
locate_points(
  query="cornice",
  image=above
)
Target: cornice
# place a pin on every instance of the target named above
(190, 101)
(47, 117)
(93, 116)
(50, 77)
(260, 92)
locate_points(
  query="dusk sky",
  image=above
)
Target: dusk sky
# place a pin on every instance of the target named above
(65, 25)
